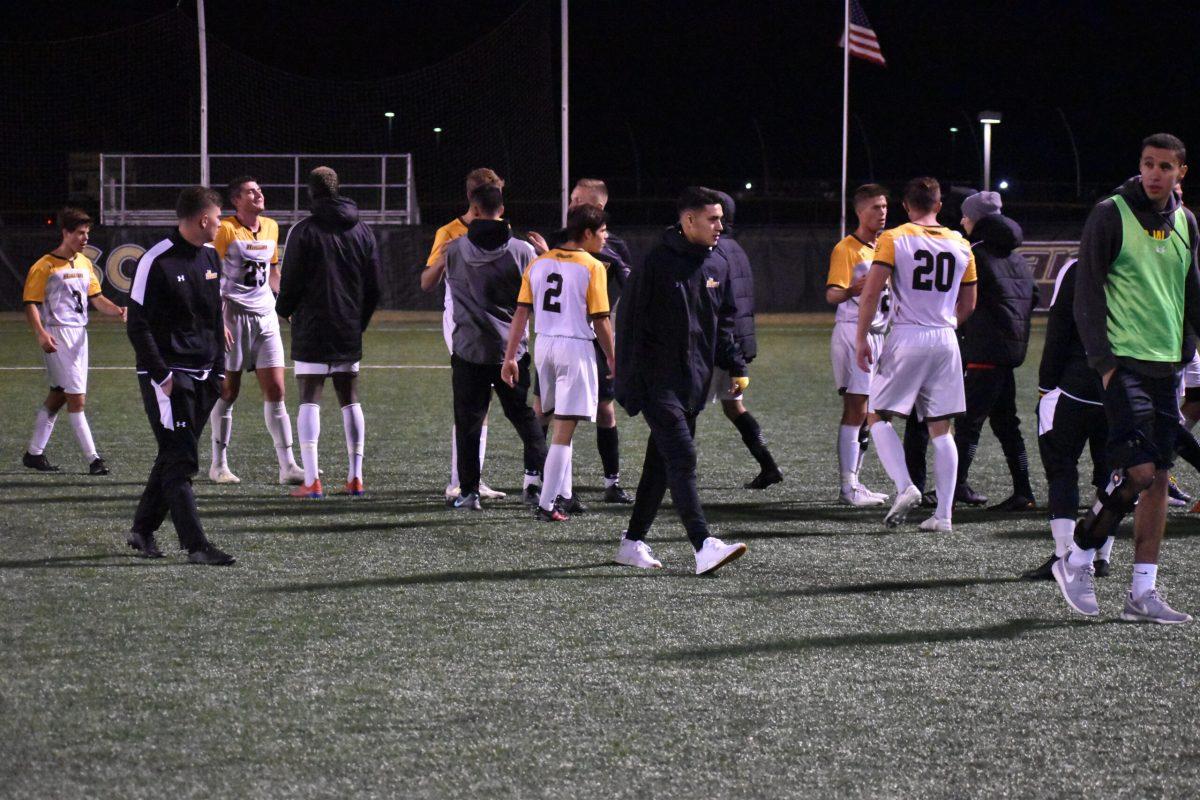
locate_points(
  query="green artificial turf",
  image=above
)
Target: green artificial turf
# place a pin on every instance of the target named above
(388, 647)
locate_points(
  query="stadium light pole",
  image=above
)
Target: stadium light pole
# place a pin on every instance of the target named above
(200, 27)
(953, 143)
(988, 119)
(390, 115)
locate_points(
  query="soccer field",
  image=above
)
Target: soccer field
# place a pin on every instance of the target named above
(388, 647)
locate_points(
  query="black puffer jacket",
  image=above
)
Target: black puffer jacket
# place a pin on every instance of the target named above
(329, 285)
(743, 283)
(998, 332)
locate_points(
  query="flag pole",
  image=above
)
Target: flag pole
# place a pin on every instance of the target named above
(565, 166)
(845, 105)
(200, 30)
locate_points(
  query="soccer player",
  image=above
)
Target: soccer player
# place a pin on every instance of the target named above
(177, 333)
(1137, 286)
(248, 244)
(483, 272)
(932, 274)
(848, 266)
(329, 288)
(58, 289)
(567, 292)
(676, 324)
(431, 276)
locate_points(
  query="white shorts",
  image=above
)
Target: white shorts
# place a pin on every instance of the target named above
(919, 367)
(718, 387)
(67, 368)
(256, 340)
(848, 378)
(567, 376)
(320, 368)
(1191, 373)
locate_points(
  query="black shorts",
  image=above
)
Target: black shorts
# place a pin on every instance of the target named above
(1143, 418)
(606, 389)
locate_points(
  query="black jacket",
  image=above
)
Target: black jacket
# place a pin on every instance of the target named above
(742, 281)
(1064, 362)
(997, 332)
(615, 257)
(676, 322)
(329, 285)
(175, 310)
(1098, 248)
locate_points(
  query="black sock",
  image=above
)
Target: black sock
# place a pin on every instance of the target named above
(753, 438)
(1187, 447)
(1018, 468)
(608, 443)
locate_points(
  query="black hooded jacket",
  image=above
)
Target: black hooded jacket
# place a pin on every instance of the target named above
(997, 333)
(330, 280)
(743, 282)
(1064, 362)
(676, 322)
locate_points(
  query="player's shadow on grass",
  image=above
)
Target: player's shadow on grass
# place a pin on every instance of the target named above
(58, 479)
(86, 561)
(781, 512)
(1013, 629)
(351, 527)
(74, 499)
(876, 587)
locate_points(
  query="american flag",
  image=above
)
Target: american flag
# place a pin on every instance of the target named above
(863, 42)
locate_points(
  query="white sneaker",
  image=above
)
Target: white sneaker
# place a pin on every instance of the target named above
(906, 501)
(860, 497)
(714, 554)
(636, 554)
(452, 494)
(223, 475)
(935, 524)
(291, 475)
(488, 493)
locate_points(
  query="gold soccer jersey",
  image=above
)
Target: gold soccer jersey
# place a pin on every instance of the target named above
(62, 287)
(928, 265)
(246, 259)
(850, 260)
(444, 236)
(566, 290)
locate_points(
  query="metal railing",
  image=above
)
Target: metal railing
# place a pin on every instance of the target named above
(141, 188)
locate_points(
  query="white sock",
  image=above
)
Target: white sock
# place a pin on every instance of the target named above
(1144, 577)
(1106, 549)
(891, 454)
(356, 436)
(848, 451)
(1063, 531)
(279, 425)
(531, 480)
(1079, 559)
(557, 462)
(83, 435)
(308, 428)
(945, 473)
(568, 484)
(454, 458)
(482, 449)
(220, 423)
(43, 426)
(611, 482)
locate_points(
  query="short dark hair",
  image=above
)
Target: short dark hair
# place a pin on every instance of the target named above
(489, 197)
(234, 187)
(586, 217)
(322, 182)
(1166, 141)
(922, 194)
(71, 218)
(694, 197)
(195, 199)
(869, 191)
(482, 176)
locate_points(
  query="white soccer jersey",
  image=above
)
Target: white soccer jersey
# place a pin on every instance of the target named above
(566, 290)
(62, 287)
(246, 259)
(928, 265)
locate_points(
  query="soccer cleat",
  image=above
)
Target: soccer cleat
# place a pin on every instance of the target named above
(768, 477)
(467, 502)
(1017, 502)
(617, 494)
(906, 501)
(1196, 508)
(1151, 608)
(532, 495)
(1176, 496)
(221, 474)
(929, 499)
(488, 493)
(555, 514)
(311, 492)
(97, 467)
(883, 496)
(860, 497)
(1101, 567)
(570, 505)
(1043, 572)
(291, 475)
(452, 494)
(210, 555)
(636, 554)
(964, 494)
(38, 462)
(354, 488)
(145, 545)
(714, 554)
(935, 524)
(1078, 586)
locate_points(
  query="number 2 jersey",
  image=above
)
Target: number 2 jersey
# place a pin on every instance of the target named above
(246, 259)
(62, 287)
(928, 266)
(566, 289)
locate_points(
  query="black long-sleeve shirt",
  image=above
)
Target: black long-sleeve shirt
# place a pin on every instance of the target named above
(1064, 363)
(175, 318)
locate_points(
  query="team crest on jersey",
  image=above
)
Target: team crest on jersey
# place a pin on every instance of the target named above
(209, 275)
(712, 283)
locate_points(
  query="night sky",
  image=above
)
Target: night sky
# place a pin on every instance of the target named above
(690, 86)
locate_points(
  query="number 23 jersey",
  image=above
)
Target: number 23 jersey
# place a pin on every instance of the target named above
(928, 266)
(246, 259)
(566, 290)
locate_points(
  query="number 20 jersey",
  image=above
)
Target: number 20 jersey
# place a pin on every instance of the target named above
(928, 266)
(566, 289)
(246, 259)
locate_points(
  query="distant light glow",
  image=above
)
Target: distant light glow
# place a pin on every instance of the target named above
(437, 130)
(954, 130)
(389, 114)
(1003, 185)
(749, 185)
